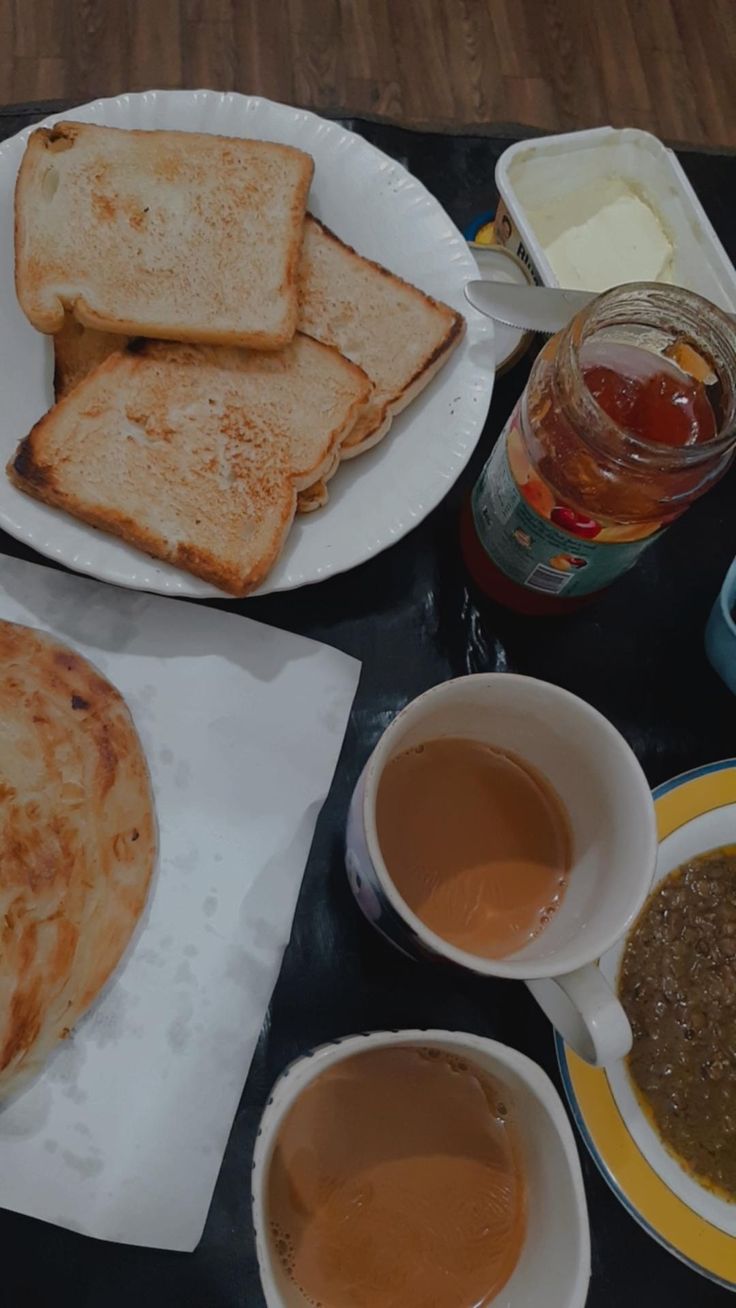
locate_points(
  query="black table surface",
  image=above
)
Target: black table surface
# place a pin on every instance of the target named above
(411, 617)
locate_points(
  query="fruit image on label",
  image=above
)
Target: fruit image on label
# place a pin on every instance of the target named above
(576, 523)
(537, 494)
(536, 541)
(567, 562)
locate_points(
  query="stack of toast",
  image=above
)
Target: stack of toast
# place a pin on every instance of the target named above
(218, 351)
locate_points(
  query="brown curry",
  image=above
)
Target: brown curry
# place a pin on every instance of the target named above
(678, 986)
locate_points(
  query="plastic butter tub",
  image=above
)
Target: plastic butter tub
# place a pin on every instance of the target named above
(549, 189)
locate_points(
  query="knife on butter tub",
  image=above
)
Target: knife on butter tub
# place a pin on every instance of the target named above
(530, 308)
(533, 308)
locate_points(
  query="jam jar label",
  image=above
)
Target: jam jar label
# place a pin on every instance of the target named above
(539, 542)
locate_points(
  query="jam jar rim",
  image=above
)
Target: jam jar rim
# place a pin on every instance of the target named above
(671, 308)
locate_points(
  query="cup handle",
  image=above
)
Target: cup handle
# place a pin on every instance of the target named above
(585, 1010)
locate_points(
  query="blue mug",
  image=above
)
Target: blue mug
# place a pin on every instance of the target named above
(720, 632)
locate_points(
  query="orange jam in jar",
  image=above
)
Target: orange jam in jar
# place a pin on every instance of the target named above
(628, 416)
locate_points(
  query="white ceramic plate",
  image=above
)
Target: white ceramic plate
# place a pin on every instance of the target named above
(374, 204)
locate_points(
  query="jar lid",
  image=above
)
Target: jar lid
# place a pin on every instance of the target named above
(496, 264)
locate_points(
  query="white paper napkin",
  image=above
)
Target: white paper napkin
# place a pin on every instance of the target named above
(123, 1135)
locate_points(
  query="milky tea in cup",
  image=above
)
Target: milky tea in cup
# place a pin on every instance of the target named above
(396, 1181)
(476, 841)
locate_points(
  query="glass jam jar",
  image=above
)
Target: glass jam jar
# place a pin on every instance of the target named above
(628, 416)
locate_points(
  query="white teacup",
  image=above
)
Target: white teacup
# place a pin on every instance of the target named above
(614, 837)
(553, 1270)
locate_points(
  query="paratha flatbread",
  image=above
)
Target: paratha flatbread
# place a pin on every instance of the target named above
(77, 842)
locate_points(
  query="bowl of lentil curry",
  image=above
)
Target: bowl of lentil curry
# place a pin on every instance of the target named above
(677, 984)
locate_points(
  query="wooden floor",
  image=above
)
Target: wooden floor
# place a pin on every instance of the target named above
(666, 65)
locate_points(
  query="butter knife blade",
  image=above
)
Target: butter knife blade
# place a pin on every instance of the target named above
(531, 308)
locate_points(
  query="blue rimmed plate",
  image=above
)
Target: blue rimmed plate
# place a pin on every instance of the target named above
(696, 812)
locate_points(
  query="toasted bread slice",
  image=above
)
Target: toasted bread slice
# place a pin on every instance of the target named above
(79, 350)
(313, 498)
(176, 235)
(398, 335)
(195, 454)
